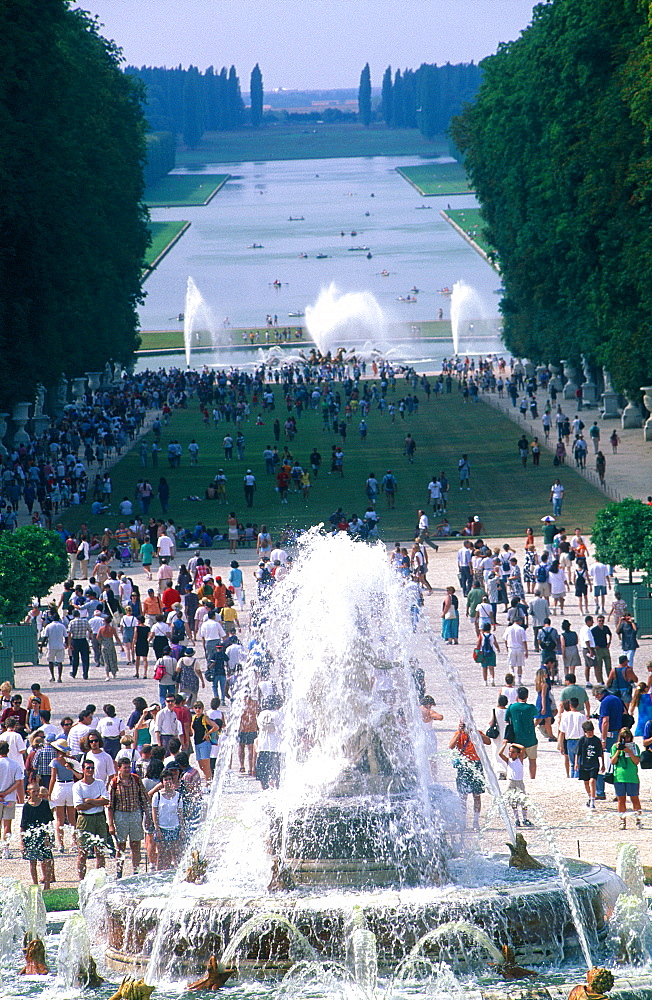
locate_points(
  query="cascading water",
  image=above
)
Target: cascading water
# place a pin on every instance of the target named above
(341, 320)
(471, 318)
(200, 328)
(359, 856)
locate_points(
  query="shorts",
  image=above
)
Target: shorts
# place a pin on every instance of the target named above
(516, 658)
(62, 793)
(518, 786)
(247, 739)
(56, 655)
(470, 777)
(94, 823)
(7, 810)
(170, 836)
(622, 788)
(128, 826)
(588, 774)
(531, 752)
(599, 591)
(203, 750)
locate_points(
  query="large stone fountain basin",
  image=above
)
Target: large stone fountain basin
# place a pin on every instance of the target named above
(528, 911)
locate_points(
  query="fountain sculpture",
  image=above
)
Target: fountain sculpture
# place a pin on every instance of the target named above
(364, 854)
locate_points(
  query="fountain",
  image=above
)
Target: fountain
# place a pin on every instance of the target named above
(471, 318)
(342, 320)
(359, 861)
(200, 328)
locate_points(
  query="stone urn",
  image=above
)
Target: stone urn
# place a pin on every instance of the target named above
(647, 400)
(556, 379)
(20, 416)
(571, 385)
(94, 380)
(631, 416)
(79, 390)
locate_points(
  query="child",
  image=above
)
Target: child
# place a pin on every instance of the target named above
(509, 690)
(167, 815)
(589, 759)
(514, 765)
(35, 837)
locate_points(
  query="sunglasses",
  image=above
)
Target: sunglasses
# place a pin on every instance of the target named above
(93, 741)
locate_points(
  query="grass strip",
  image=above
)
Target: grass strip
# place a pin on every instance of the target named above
(164, 236)
(176, 190)
(61, 899)
(437, 178)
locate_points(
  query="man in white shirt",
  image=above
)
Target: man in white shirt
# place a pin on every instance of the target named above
(81, 728)
(600, 573)
(587, 646)
(557, 497)
(424, 526)
(56, 634)
(89, 799)
(464, 567)
(167, 725)
(515, 638)
(164, 547)
(570, 726)
(278, 554)
(434, 494)
(210, 633)
(11, 779)
(104, 766)
(539, 611)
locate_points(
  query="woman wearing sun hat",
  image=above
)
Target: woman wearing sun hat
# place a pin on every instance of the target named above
(64, 770)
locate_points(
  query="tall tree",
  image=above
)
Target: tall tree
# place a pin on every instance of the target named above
(234, 99)
(386, 97)
(557, 146)
(364, 96)
(256, 96)
(192, 111)
(72, 227)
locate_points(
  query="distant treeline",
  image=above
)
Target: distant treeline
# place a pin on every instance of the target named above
(428, 97)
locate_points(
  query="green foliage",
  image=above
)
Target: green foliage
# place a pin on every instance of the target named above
(163, 234)
(557, 146)
(71, 181)
(32, 561)
(256, 96)
(193, 126)
(386, 97)
(161, 150)
(364, 97)
(622, 535)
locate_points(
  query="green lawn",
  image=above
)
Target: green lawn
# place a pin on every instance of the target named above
(470, 220)
(506, 497)
(184, 189)
(161, 340)
(307, 141)
(163, 234)
(437, 178)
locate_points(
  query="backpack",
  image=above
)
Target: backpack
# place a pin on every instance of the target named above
(542, 574)
(547, 642)
(178, 629)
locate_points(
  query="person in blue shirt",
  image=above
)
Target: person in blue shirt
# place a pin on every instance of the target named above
(611, 720)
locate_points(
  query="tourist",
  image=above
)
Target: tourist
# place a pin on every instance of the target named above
(189, 676)
(513, 761)
(202, 729)
(558, 585)
(429, 715)
(167, 818)
(621, 680)
(641, 703)
(464, 470)
(103, 761)
(589, 761)
(625, 757)
(166, 724)
(56, 635)
(570, 732)
(389, 487)
(111, 728)
(587, 645)
(141, 646)
(582, 584)
(601, 634)
(611, 720)
(450, 622)
(35, 839)
(89, 799)
(127, 805)
(569, 646)
(601, 577)
(521, 716)
(546, 710)
(469, 779)
(557, 494)
(487, 647)
(11, 781)
(247, 732)
(464, 571)
(107, 637)
(627, 629)
(268, 749)
(618, 608)
(515, 639)
(249, 485)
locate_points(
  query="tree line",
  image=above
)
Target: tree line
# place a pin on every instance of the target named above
(73, 229)
(557, 146)
(188, 102)
(426, 98)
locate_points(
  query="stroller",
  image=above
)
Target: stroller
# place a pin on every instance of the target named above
(125, 556)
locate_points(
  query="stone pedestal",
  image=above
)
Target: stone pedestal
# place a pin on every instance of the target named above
(610, 409)
(589, 394)
(39, 423)
(571, 385)
(647, 399)
(529, 369)
(631, 416)
(3, 431)
(20, 416)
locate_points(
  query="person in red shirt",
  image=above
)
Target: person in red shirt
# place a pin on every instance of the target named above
(184, 715)
(18, 712)
(282, 483)
(220, 594)
(169, 598)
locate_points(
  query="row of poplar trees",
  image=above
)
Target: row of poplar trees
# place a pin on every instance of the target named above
(558, 146)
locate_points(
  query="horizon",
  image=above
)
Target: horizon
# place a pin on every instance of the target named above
(288, 38)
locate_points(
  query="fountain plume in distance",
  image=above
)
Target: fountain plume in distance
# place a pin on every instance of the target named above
(199, 321)
(339, 320)
(471, 318)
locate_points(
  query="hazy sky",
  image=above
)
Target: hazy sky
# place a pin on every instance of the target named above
(309, 44)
